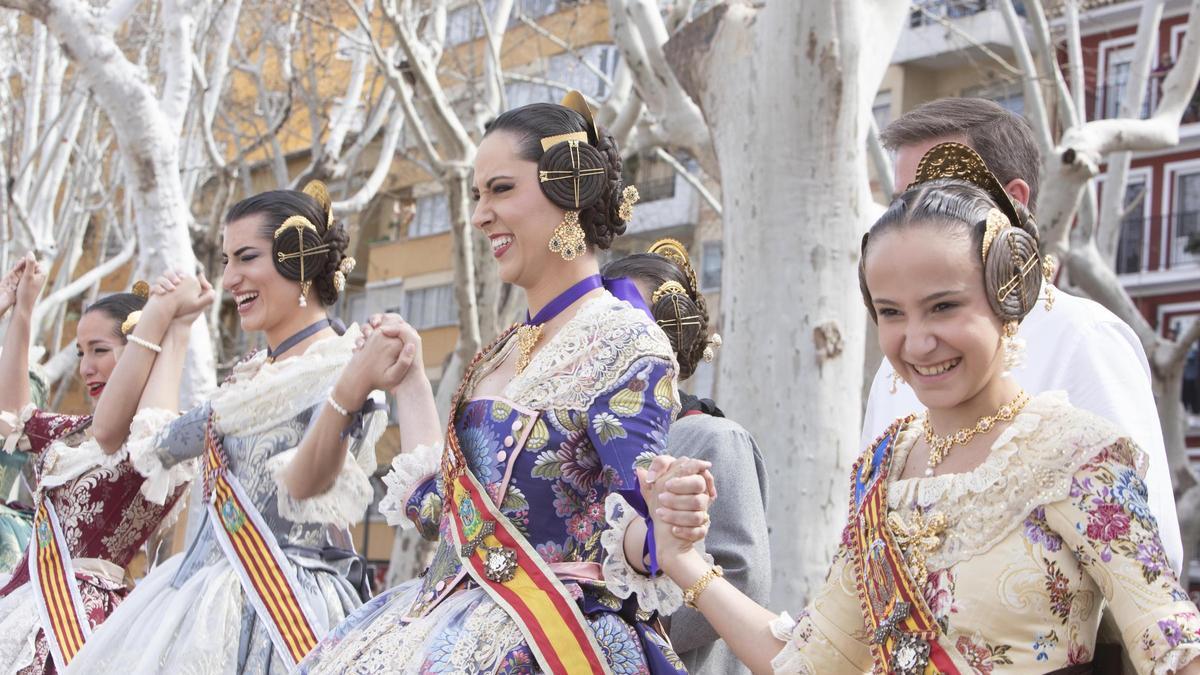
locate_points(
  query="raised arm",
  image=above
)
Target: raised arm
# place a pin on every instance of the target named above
(174, 296)
(380, 364)
(14, 361)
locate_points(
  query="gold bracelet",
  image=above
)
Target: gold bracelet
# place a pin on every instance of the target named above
(692, 594)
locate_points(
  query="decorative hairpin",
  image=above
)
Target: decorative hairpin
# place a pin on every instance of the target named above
(961, 162)
(344, 269)
(673, 250)
(667, 288)
(629, 197)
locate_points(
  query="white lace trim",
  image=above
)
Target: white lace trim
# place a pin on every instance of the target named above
(65, 463)
(588, 355)
(658, 594)
(160, 482)
(346, 501)
(1174, 660)
(12, 428)
(1031, 464)
(789, 659)
(259, 394)
(409, 470)
(19, 627)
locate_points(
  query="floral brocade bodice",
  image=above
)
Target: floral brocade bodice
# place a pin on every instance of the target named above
(549, 468)
(99, 498)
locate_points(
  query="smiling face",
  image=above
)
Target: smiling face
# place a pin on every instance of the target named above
(98, 347)
(264, 298)
(513, 213)
(936, 327)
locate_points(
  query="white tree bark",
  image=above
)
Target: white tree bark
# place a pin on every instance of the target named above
(791, 364)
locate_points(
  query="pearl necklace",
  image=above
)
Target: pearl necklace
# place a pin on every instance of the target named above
(940, 446)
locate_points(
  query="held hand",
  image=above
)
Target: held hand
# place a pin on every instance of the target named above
(394, 326)
(191, 305)
(33, 277)
(678, 493)
(372, 364)
(9, 283)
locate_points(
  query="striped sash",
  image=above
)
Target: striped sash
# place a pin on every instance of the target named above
(904, 634)
(249, 544)
(509, 569)
(64, 621)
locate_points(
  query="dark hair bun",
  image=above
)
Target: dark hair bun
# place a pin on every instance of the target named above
(602, 222)
(1012, 274)
(568, 164)
(292, 240)
(686, 326)
(338, 240)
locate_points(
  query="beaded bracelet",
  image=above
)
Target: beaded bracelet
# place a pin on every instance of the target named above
(692, 594)
(337, 406)
(144, 343)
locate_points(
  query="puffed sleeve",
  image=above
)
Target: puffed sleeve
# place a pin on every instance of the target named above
(628, 426)
(829, 636)
(33, 430)
(180, 440)
(346, 501)
(1106, 521)
(412, 497)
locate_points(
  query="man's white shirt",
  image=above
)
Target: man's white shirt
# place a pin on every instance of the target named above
(1081, 348)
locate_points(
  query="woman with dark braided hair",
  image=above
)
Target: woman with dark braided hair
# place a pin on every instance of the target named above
(287, 444)
(542, 540)
(94, 508)
(737, 539)
(988, 533)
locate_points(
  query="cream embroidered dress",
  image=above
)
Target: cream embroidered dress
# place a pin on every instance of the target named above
(190, 614)
(601, 395)
(1053, 525)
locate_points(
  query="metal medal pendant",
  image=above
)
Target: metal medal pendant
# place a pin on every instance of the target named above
(500, 565)
(911, 655)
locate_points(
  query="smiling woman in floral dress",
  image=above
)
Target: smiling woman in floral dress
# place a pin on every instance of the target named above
(531, 571)
(993, 548)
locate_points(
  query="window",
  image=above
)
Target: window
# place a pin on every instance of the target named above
(1007, 93)
(654, 178)
(432, 216)
(1129, 246)
(431, 307)
(882, 109)
(1116, 84)
(1185, 220)
(1191, 367)
(710, 266)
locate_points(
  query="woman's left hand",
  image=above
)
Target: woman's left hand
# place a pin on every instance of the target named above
(678, 493)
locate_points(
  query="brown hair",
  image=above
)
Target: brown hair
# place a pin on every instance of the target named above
(962, 206)
(600, 195)
(687, 338)
(1002, 138)
(276, 206)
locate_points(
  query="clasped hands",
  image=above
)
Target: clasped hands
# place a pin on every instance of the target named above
(678, 494)
(387, 354)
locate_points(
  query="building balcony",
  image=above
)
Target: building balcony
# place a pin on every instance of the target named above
(939, 33)
(1168, 264)
(1105, 102)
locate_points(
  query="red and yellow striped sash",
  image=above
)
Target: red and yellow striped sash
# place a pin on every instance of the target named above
(250, 546)
(904, 634)
(64, 620)
(501, 560)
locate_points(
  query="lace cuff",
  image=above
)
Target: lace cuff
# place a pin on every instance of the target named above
(341, 505)
(654, 594)
(409, 470)
(1172, 641)
(160, 480)
(789, 659)
(12, 428)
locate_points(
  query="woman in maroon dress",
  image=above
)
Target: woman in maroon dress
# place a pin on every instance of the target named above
(94, 510)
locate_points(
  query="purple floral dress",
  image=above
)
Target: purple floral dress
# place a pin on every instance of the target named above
(560, 444)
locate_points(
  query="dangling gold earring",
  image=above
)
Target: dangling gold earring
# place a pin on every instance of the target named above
(304, 286)
(896, 382)
(569, 240)
(1013, 346)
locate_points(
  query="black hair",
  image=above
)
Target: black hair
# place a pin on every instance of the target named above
(276, 206)
(117, 307)
(600, 195)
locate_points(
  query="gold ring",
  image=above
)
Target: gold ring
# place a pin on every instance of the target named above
(707, 519)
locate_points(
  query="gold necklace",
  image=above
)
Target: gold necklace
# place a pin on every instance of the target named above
(940, 446)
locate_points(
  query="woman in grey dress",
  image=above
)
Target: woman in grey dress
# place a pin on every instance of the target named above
(288, 445)
(738, 538)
